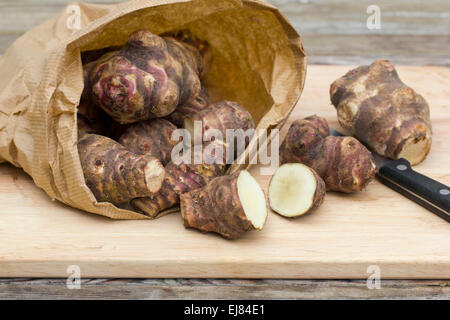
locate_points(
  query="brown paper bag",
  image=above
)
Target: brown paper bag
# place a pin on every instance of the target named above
(258, 61)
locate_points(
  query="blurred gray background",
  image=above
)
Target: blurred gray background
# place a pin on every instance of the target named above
(333, 32)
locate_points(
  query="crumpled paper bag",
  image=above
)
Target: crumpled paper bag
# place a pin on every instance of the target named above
(258, 61)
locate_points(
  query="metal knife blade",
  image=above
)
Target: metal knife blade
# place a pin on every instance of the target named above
(399, 176)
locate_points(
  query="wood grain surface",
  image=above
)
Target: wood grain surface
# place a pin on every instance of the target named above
(333, 31)
(56, 289)
(348, 233)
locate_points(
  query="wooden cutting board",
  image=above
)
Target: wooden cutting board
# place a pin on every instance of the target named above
(347, 235)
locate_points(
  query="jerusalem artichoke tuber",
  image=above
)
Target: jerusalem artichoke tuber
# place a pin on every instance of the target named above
(151, 137)
(295, 190)
(183, 111)
(380, 110)
(189, 176)
(342, 162)
(179, 179)
(147, 78)
(228, 205)
(115, 174)
(222, 116)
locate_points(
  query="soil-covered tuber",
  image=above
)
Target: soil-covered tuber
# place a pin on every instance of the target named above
(381, 111)
(151, 137)
(115, 174)
(228, 205)
(295, 190)
(147, 78)
(342, 162)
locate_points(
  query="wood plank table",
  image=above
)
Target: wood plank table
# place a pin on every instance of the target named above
(333, 32)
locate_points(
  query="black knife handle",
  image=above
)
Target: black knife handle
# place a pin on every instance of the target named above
(427, 192)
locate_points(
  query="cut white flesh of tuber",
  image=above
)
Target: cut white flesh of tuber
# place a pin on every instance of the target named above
(415, 151)
(252, 199)
(292, 190)
(154, 175)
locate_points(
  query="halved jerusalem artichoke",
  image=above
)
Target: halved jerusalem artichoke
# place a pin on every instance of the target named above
(295, 190)
(228, 205)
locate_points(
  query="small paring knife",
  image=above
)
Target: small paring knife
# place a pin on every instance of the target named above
(399, 176)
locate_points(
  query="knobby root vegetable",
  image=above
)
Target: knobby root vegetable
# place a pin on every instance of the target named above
(228, 205)
(88, 70)
(188, 176)
(295, 190)
(222, 116)
(149, 77)
(342, 162)
(303, 137)
(152, 137)
(381, 111)
(179, 179)
(181, 112)
(115, 174)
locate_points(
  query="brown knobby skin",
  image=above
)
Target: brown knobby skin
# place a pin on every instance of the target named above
(115, 174)
(384, 113)
(88, 68)
(295, 190)
(222, 116)
(304, 135)
(187, 176)
(229, 205)
(189, 109)
(343, 163)
(179, 179)
(147, 78)
(152, 137)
